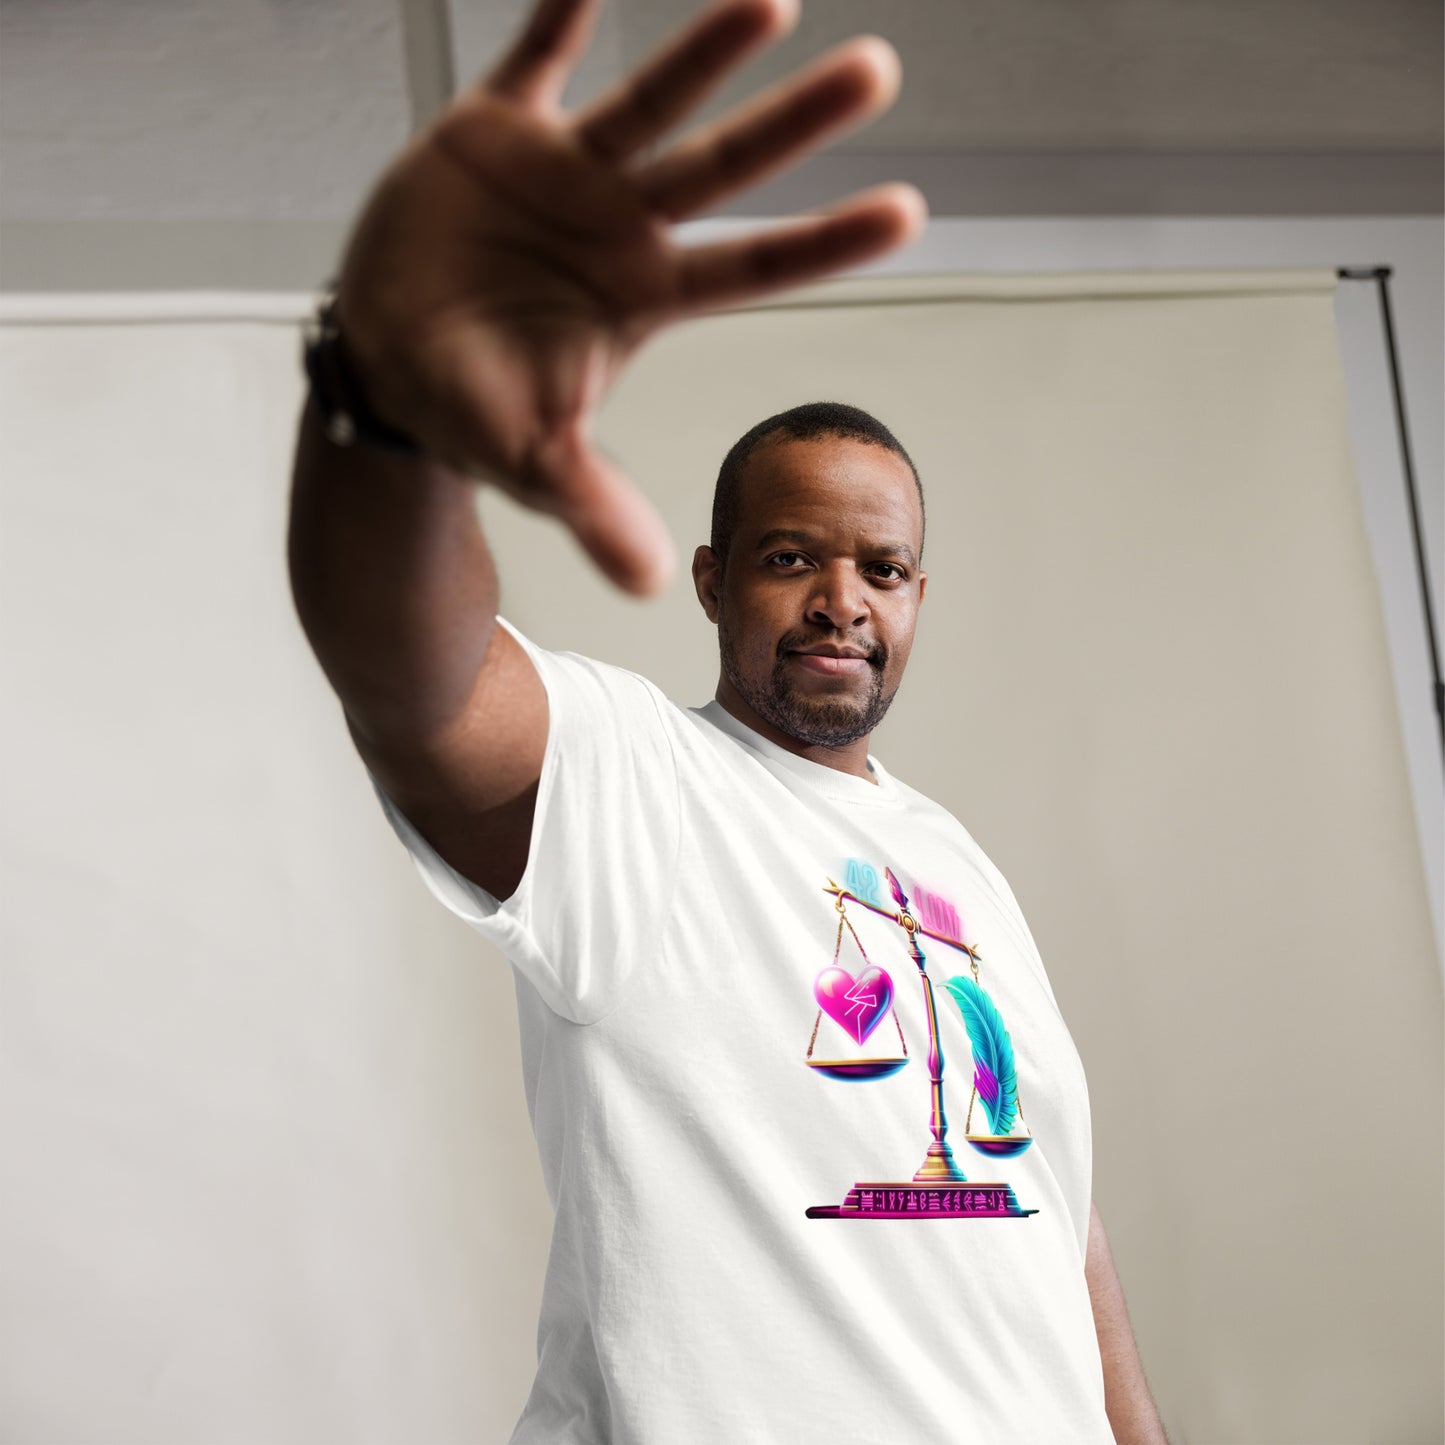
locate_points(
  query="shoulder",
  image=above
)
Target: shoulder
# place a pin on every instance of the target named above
(585, 679)
(946, 821)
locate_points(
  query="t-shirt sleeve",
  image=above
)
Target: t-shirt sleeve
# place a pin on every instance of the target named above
(604, 848)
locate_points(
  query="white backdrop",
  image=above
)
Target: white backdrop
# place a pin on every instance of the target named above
(266, 1169)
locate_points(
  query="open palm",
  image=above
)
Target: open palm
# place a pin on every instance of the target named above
(513, 257)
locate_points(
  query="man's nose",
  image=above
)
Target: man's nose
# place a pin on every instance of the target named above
(839, 600)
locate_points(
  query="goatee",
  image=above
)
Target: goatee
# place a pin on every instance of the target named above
(830, 722)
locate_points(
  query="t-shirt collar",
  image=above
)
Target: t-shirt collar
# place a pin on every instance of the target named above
(846, 786)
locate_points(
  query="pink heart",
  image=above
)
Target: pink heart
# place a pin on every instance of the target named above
(856, 1004)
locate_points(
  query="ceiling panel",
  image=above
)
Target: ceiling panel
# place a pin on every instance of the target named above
(1086, 75)
(145, 113)
(151, 110)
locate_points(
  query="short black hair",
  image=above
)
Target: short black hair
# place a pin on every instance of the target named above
(798, 423)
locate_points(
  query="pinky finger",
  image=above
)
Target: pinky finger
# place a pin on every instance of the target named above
(851, 233)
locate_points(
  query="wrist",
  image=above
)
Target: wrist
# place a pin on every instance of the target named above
(337, 393)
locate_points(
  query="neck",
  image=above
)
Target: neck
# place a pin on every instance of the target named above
(849, 758)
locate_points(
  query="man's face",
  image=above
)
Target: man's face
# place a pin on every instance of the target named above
(817, 603)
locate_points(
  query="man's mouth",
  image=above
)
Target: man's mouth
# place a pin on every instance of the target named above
(830, 661)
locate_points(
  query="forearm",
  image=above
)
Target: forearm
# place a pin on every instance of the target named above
(393, 582)
(1127, 1401)
(1133, 1417)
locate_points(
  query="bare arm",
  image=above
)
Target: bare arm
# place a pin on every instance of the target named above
(392, 580)
(506, 266)
(1130, 1407)
(395, 587)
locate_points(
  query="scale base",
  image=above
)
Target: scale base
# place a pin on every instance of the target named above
(891, 1200)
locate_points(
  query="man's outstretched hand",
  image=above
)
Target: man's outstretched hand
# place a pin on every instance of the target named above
(513, 257)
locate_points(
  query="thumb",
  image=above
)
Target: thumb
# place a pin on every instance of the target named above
(618, 527)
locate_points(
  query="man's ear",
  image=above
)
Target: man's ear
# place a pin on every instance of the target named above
(707, 579)
(922, 584)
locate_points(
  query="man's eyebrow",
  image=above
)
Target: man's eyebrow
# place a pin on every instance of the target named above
(900, 550)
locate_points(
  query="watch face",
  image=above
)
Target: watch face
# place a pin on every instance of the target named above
(345, 416)
(320, 318)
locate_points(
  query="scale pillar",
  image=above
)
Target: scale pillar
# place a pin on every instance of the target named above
(938, 1165)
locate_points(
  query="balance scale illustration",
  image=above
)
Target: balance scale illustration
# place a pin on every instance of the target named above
(939, 1189)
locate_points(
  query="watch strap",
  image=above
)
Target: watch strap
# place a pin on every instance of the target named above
(340, 401)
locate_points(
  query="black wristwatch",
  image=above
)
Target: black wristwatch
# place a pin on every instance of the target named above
(340, 402)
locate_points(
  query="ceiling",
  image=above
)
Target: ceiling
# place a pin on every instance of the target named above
(277, 113)
(1087, 75)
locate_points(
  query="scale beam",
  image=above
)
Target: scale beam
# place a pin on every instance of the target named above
(898, 915)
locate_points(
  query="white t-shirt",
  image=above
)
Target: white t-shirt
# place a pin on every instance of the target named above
(666, 941)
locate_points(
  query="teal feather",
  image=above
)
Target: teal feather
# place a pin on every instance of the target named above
(995, 1076)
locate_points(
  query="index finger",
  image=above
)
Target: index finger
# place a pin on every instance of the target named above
(535, 70)
(678, 77)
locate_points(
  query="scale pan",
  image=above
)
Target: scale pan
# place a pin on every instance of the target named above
(857, 1068)
(1000, 1146)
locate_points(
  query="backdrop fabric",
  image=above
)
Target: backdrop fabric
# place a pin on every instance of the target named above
(266, 1168)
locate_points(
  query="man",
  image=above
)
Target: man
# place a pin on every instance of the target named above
(667, 881)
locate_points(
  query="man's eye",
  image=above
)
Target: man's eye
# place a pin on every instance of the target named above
(895, 569)
(784, 557)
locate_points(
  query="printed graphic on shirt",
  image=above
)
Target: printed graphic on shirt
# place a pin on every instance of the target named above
(857, 1004)
(857, 994)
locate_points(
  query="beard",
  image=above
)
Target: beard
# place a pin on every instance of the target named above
(830, 722)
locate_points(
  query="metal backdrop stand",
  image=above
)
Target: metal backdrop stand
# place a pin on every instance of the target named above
(1381, 276)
